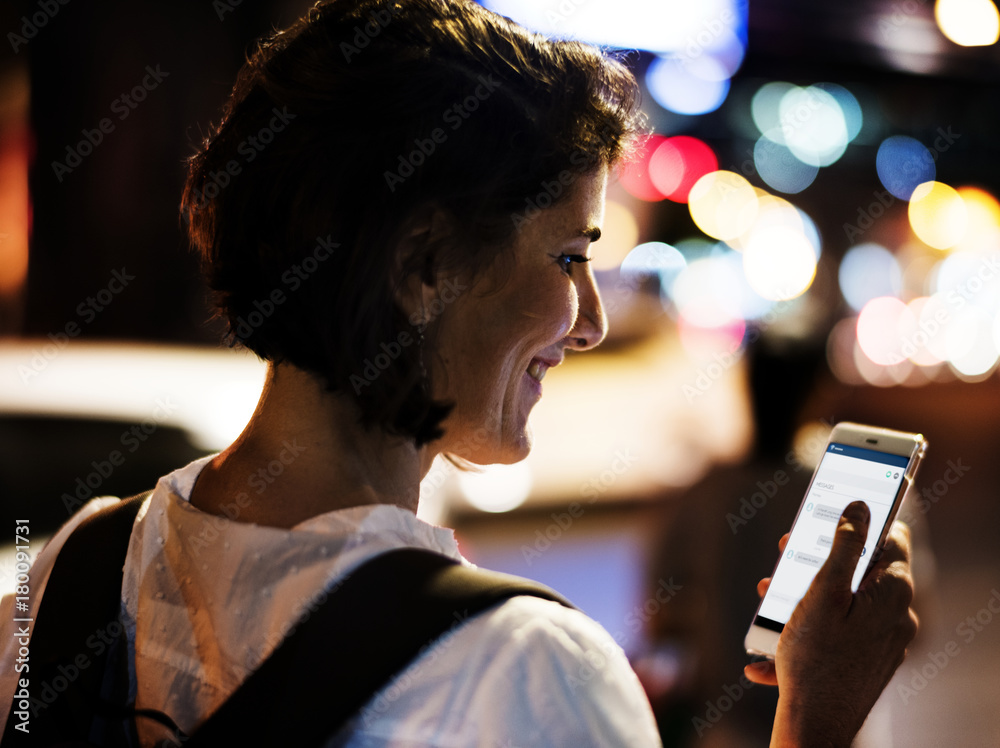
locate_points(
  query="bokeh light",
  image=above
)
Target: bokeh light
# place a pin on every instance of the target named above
(765, 108)
(677, 26)
(849, 106)
(882, 326)
(970, 23)
(972, 352)
(723, 204)
(675, 86)
(706, 293)
(653, 258)
(780, 168)
(813, 125)
(619, 235)
(938, 215)
(498, 488)
(983, 228)
(779, 262)
(930, 319)
(868, 271)
(902, 163)
(634, 174)
(679, 162)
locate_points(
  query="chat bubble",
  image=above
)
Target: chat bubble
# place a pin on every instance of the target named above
(808, 560)
(824, 541)
(826, 512)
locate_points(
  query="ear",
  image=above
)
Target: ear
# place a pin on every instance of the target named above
(415, 281)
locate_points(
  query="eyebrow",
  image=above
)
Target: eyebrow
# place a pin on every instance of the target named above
(591, 232)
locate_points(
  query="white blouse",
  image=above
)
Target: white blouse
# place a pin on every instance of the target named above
(206, 599)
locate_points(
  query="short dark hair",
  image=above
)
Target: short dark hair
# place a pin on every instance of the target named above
(343, 128)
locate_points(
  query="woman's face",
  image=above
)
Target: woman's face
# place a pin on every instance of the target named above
(494, 345)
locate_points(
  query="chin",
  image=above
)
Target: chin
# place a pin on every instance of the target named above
(498, 449)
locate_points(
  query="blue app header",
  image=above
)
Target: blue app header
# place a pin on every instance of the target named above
(868, 454)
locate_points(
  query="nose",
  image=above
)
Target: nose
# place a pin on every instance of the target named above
(591, 324)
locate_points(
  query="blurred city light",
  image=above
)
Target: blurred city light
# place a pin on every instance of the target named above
(634, 176)
(661, 26)
(723, 204)
(938, 215)
(971, 23)
(780, 168)
(882, 324)
(867, 272)
(497, 488)
(813, 125)
(779, 262)
(902, 163)
(983, 227)
(619, 235)
(679, 162)
(653, 258)
(687, 87)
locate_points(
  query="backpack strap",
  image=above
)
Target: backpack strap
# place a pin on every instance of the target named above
(82, 600)
(385, 614)
(367, 629)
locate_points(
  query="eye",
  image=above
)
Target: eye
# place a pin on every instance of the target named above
(566, 260)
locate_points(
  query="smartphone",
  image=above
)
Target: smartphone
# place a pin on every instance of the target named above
(872, 464)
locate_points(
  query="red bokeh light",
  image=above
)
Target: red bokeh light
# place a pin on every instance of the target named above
(634, 176)
(677, 163)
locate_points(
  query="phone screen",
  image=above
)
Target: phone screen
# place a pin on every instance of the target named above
(845, 474)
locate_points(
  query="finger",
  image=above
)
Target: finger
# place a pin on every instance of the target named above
(762, 673)
(762, 586)
(898, 546)
(848, 543)
(783, 542)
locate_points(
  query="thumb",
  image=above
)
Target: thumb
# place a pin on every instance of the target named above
(848, 543)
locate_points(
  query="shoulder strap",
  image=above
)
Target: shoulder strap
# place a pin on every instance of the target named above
(379, 619)
(82, 600)
(368, 628)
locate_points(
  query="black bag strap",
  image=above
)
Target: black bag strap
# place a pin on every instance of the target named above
(370, 626)
(377, 621)
(82, 599)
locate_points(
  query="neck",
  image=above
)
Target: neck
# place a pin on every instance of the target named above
(304, 454)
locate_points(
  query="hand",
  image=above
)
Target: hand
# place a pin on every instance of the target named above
(838, 649)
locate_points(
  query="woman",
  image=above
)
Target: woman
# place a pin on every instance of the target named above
(396, 212)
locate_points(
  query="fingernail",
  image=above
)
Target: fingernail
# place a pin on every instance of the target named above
(857, 511)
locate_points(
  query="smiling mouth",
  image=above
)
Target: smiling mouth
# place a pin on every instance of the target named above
(537, 370)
